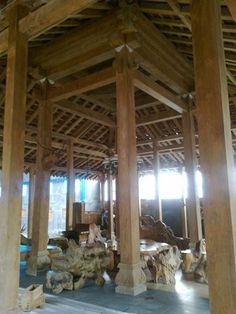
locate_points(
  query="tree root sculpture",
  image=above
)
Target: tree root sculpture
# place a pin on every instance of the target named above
(161, 266)
(195, 262)
(84, 262)
(159, 232)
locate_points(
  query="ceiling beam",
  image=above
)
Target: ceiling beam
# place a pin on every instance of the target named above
(157, 118)
(159, 92)
(85, 113)
(158, 56)
(82, 85)
(44, 18)
(176, 8)
(65, 138)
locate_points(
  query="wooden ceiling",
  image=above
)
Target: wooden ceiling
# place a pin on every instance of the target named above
(76, 54)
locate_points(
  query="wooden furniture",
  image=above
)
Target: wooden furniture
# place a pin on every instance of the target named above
(32, 298)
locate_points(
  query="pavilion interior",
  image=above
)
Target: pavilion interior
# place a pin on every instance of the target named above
(115, 90)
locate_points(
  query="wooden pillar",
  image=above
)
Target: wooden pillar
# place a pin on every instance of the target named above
(192, 200)
(130, 279)
(102, 191)
(31, 201)
(156, 168)
(184, 213)
(70, 196)
(139, 198)
(117, 233)
(13, 164)
(216, 154)
(110, 209)
(39, 254)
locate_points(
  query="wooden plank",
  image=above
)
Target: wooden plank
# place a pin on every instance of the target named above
(190, 162)
(82, 85)
(215, 144)
(13, 164)
(44, 18)
(86, 113)
(158, 92)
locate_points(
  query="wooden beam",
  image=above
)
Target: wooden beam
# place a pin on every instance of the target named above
(39, 252)
(156, 170)
(13, 163)
(85, 113)
(176, 8)
(160, 57)
(232, 8)
(81, 48)
(81, 150)
(215, 144)
(61, 136)
(82, 85)
(70, 194)
(159, 92)
(157, 118)
(31, 201)
(110, 209)
(61, 146)
(190, 162)
(130, 278)
(46, 17)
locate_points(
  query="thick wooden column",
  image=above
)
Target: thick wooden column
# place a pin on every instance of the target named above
(39, 253)
(216, 154)
(110, 201)
(192, 200)
(70, 196)
(130, 279)
(12, 165)
(31, 201)
(156, 169)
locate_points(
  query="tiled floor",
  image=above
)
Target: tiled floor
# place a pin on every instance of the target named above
(186, 297)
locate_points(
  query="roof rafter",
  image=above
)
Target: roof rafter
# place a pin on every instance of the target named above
(159, 92)
(44, 18)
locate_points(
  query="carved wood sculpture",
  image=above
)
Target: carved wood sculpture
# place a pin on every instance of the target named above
(84, 262)
(195, 262)
(158, 231)
(58, 281)
(161, 265)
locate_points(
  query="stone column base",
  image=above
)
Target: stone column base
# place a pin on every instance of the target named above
(130, 279)
(38, 263)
